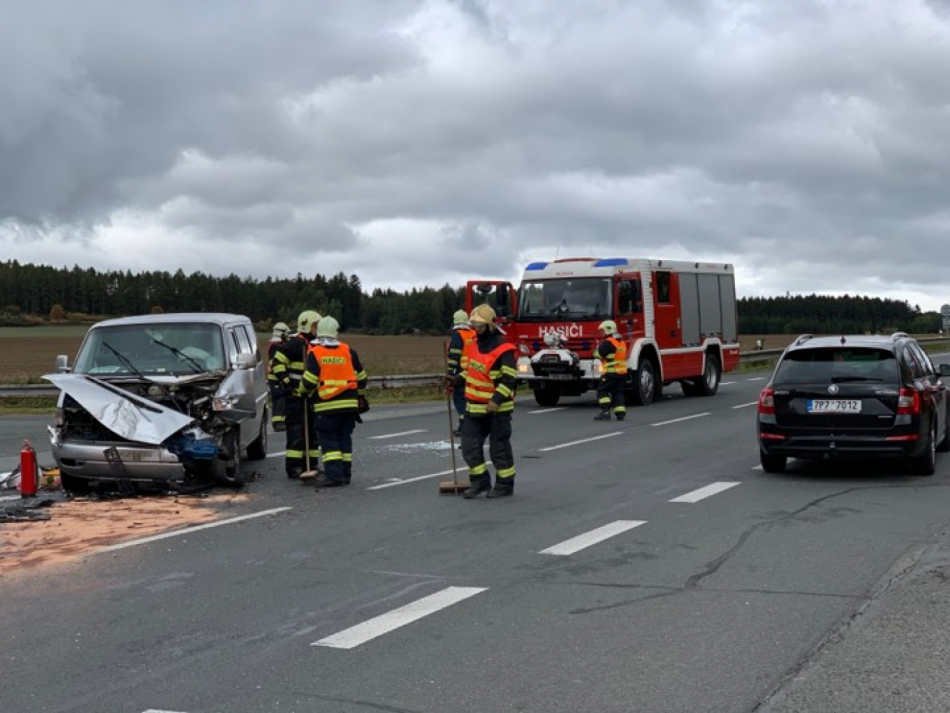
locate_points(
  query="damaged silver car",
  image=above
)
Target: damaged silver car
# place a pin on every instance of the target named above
(173, 399)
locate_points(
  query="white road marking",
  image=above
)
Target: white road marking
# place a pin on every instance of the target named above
(685, 418)
(189, 530)
(462, 472)
(278, 453)
(548, 410)
(726, 383)
(585, 440)
(756, 378)
(751, 403)
(395, 435)
(758, 467)
(576, 544)
(703, 493)
(383, 624)
(160, 710)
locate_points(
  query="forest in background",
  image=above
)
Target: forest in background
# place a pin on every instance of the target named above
(40, 294)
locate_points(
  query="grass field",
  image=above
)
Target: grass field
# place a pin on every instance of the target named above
(28, 353)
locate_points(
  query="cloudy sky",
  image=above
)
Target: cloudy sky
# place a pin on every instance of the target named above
(426, 142)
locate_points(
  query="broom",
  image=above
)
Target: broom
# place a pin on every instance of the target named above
(451, 486)
(308, 473)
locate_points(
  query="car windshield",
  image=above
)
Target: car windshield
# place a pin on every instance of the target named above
(837, 365)
(574, 299)
(151, 349)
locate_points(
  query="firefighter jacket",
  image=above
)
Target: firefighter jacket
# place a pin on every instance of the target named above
(272, 346)
(461, 336)
(490, 374)
(289, 359)
(612, 352)
(333, 370)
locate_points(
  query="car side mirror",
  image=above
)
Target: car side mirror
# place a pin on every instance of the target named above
(62, 364)
(244, 361)
(945, 370)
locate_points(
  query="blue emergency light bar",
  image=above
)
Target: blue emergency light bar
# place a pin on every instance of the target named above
(536, 266)
(612, 262)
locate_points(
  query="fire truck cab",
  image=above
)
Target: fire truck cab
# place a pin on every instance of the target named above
(677, 317)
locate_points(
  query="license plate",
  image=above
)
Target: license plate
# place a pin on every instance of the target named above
(834, 406)
(559, 376)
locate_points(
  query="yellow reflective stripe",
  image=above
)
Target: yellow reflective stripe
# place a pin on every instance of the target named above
(275, 419)
(475, 408)
(477, 469)
(315, 454)
(310, 379)
(506, 406)
(506, 472)
(331, 456)
(620, 409)
(477, 394)
(508, 371)
(361, 376)
(282, 358)
(336, 405)
(604, 400)
(294, 454)
(504, 390)
(347, 457)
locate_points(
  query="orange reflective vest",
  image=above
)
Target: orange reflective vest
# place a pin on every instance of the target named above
(337, 374)
(480, 378)
(616, 363)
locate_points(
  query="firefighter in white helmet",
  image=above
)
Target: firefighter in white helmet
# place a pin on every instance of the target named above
(461, 335)
(277, 399)
(612, 352)
(335, 378)
(489, 380)
(288, 365)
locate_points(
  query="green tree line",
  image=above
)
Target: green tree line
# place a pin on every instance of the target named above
(32, 293)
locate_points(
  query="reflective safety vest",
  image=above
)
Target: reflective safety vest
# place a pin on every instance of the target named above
(616, 363)
(467, 335)
(480, 378)
(337, 376)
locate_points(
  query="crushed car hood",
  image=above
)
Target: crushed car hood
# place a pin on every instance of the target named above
(127, 415)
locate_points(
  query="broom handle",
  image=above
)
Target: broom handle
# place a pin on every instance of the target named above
(448, 404)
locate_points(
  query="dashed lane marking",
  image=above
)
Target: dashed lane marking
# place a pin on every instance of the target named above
(160, 710)
(383, 624)
(278, 453)
(703, 493)
(548, 410)
(189, 530)
(756, 378)
(576, 544)
(751, 403)
(575, 443)
(396, 435)
(726, 383)
(684, 418)
(462, 473)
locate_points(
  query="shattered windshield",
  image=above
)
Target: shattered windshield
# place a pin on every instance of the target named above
(150, 350)
(563, 299)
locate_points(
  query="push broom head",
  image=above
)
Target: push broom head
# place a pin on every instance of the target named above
(451, 487)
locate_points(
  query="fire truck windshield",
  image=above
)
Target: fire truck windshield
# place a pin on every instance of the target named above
(585, 298)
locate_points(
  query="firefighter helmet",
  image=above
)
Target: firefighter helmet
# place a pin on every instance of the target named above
(306, 320)
(460, 317)
(280, 330)
(608, 326)
(483, 314)
(328, 327)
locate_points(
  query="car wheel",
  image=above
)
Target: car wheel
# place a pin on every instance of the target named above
(772, 463)
(646, 388)
(945, 443)
(547, 395)
(234, 472)
(257, 449)
(72, 484)
(926, 462)
(691, 388)
(709, 384)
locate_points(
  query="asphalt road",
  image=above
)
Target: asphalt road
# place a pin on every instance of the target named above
(386, 596)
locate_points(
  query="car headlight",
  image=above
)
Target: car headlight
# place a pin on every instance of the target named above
(524, 365)
(59, 418)
(597, 368)
(224, 403)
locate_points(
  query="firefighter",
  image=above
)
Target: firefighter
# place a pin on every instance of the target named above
(277, 400)
(335, 373)
(288, 365)
(489, 380)
(612, 352)
(461, 335)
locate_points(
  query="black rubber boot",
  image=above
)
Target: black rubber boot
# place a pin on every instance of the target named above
(476, 488)
(620, 416)
(501, 490)
(602, 416)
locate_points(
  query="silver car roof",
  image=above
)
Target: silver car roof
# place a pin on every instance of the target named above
(219, 318)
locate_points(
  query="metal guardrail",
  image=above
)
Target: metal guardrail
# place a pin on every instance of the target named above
(404, 380)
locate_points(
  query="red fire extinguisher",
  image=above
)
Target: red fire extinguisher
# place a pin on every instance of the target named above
(29, 475)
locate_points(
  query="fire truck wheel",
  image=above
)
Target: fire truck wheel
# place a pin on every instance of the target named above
(547, 395)
(646, 388)
(709, 384)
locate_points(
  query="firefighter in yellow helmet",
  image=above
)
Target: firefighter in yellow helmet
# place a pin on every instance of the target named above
(460, 336)
(277, 400)
(288, 365)
(612, 352)
(489, 379)
(335, 378)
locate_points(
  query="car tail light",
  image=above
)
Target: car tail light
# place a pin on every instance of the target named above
(908, 402)
(767, 402)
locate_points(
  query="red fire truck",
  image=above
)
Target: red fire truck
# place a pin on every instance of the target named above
(678, 318)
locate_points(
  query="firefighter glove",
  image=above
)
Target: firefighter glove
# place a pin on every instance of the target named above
(491, 406)
(362, 405)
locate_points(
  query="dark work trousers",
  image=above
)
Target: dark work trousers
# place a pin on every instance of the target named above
(458, 398)
(336, 440)
(295, 459)
(278, 404)
(497, 429)
(610, 393)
